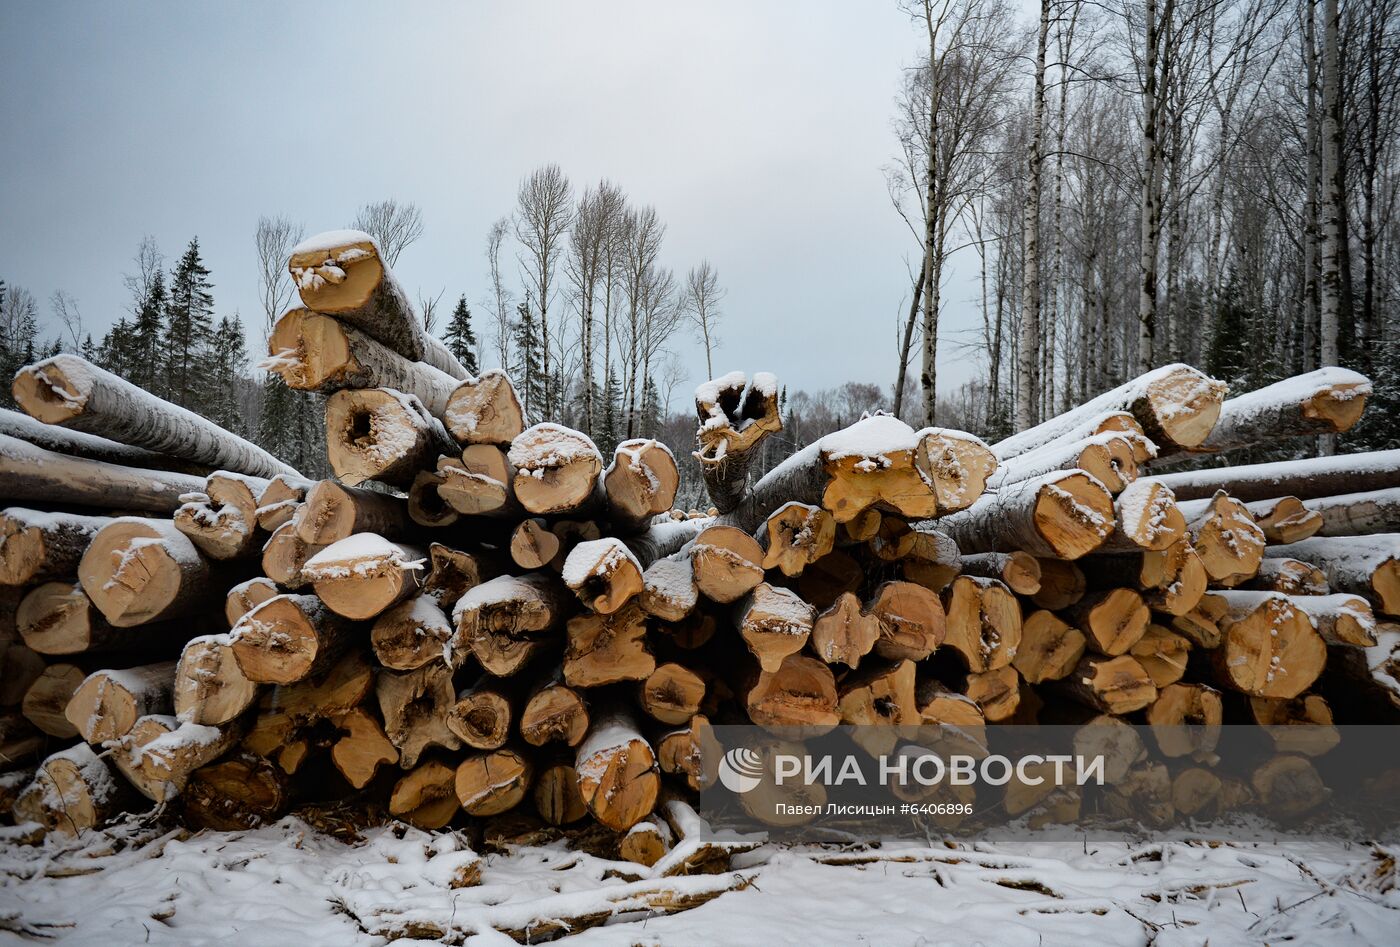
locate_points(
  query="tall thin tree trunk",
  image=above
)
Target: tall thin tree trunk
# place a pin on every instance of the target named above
(907, 343)
(1330, 282)
(1027, 383)
(1150, 213)
(1311, 235)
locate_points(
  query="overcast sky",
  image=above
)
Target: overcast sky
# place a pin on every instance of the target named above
(759, 130)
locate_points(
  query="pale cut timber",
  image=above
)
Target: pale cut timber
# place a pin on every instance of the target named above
(1302, 725)
(382, 434)
(669, 591)
(640, 483)
(452, 573)
(40, 547)
(1062, 584)
(485, 410)
(76, 791)
(361, 747)
(607, 649)
(32, 474)
(314, 352)
(983, 623)
(58, 618)
(800, 694)
(774, 623)
(1293, 576)
(1282, 520)
(1109, 685)
(210, 687)
(279, 502)
(490, 783)
(1064, 514)
(1269, 648)
(1201, 625)
(508, 620)
(1170, 580)
(481, 718)
(727, 563)
(555, 712)
(415, 706)
(617, 773)
(877, 700)
(604, 574)
(285, 554)
(413, 633)
(735, 416)
(646, 843)
(1112, 621)
(1163, 654)
(1186, 720)
(223, 521)
(556, 794)
(859, 529)
(1227, 539)
(1361, 565)
(341, 274)
(61, 440)
(479, 483)
(159, 754)
(845, 632)
(289, 638)
(795, 536)
(894, 540)
(1049, 648)
(235, 794)
(1020, 571)
(912, 620)
(1111, 458)
(533, 545)
(1116, 740)
(333, 511)
(672, 694)
(997, 692)
(1146, 517)
(74, 393)
(279, 732)
(1176, 406)
(940, 707)
(1327, 401)
(1305, 479)
(48, 697)
(1340, 619)
(1358, 514)
(426, 797)
(108, 703)
(683, 752)
(138, 571)
(1288, 786)
(557, 470)
(426, 507)
(246, 596)
(360, 580)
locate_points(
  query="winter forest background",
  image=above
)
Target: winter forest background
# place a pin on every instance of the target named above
(1121, 185)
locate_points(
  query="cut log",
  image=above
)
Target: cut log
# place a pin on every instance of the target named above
(996, 692)
(235, 794)
(1110, 458)
(1358, 514)
(61, 440)
(426, 507)
(774, 623)
(491, 783)
(555, 712)
(940, 707)
(1186, 720)
(1288, 787)
(286, 554)
(1269, 647)
(508, 620)
(557, 470)
(1361, 565)
(845, 632)
(415, 705)
(1171, 580)
(361, 747)
(1305, 479)
(223, 521)
(607, 649)
(210, 687)
(58, 618)
(280, 501)
(382, 434)
(288, 639)
(1201, 625)
(800, 694)
(1114, 739)
(452, 573)
(640, 483)
(47, 698)
(1163, 654)
(1302, 725)
(859, 529)
(364, 575)
(672, 693)
(685, 752)
(426, 797)
(138, 571)
(1062, 584)
(1112, 621)
(1019, 571)
(1226, 538)
(1340, 619)
(735, 415)
(603, 574)
(663, 539)
(983, 624)
(340, 273)
(728, 563)
(485, 410)
(669, 591)
(292, 716)
(617, 772)
(1176, 407)
(1290, 576)
(69, 391)
(1284, 520)
(1327, 401)
(33, 475)
(481, 717)
(1049, 648)
(1109, 685)
(894, 540)
(878, 700)
(481, 483)
(414, 633)
(246, 596)
(1146, 517)
(40, 547)
(159, 754)
(795, 536)
(1064, 514)
(646, 843)
(533, 545)
(314, 352)
(77, 791)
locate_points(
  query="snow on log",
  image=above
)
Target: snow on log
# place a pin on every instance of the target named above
(72, 392)
(159, 753)
(665, 538)
(412, 634)
(363, 575)
(640, 482)
(1283, 520)
(479, 483)
(76, 791)
(1293, 576)
(314, 352)
(61, 440)
(382, 434)
(38, 546)
(210, 687)
(1358, 514)
(1341, 619)
(246, 596)
(1227, 539)
(617, 772)
(1362, 565)
(285, 554)
(279, 502)
(603, 573)
(735, 416)
(1305, 479)
(557, 470)
(1326, 401)
(143, 570)
(1110, 457)
(774, 623)
(509, 619)
(1064, 514)
(1020, 571)
(1269, 646)
(485, 410)
(795, 536)
(289, 638)
(333, 511)
(1146, 517)
(341, 273)
(223, 520)
(1176, 407)
(109, 702)
(34, 475)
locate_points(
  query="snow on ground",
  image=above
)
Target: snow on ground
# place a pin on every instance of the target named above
(289, 884)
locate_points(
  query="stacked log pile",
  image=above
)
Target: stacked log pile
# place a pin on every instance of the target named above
(483, 619)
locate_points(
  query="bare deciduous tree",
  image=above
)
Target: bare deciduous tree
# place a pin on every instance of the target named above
(393, 226)
(65, 310)
(703, 295)
(275, 238)
(149, 261)
(500, 294)
(544, 213)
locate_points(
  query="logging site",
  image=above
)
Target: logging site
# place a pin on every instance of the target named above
(970, 516)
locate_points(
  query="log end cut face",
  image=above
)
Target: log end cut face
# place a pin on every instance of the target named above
(1185, 404)
(131, 574)
(1338, 406)
(339, 277)
(1074, 515)
(310, 351)
(54, 390)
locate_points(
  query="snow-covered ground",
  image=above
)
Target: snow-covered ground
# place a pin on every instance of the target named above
(289, 884)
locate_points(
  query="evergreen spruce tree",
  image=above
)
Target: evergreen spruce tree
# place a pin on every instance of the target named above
(1377, 429)
(460, 339)
(188, 332)
(1227, 355)
(651, 409)
(610, 429)
(228, 362)
(144, 367)
(19, 330)
(88, 350)
(526, 372)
